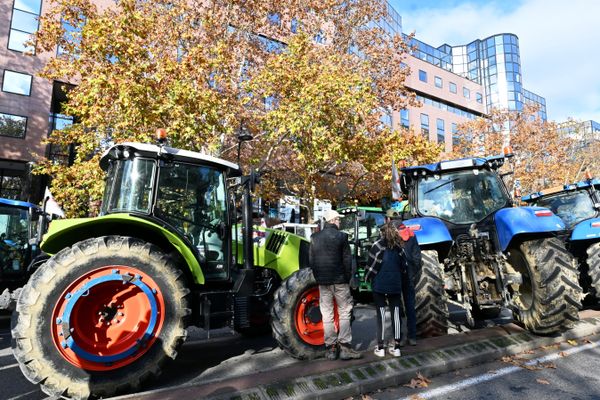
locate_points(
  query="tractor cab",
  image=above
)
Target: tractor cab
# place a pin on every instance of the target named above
(458, 192)
(573, 203)
(18, 246)
(184, 191)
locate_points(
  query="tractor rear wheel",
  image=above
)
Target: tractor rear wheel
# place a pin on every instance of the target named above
(430, 303)
(593, 264)
(100, 317)
(296, 318)
(549, 295)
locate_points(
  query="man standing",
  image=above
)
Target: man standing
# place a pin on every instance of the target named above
(331, 262)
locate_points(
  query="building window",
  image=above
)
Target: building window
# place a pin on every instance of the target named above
(425, 125)
(422, 75)
(466, 93)
(13, 125)
(14, 82)
(438, 82)
(24, 23)
(441, 131)
(404, 118)
(274, 19)
(294, 25)
(452, 87)
(11, 184)
(479, 97)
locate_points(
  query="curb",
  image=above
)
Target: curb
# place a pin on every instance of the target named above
(368, 377)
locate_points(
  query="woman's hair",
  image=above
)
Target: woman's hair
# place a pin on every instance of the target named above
(390, 235)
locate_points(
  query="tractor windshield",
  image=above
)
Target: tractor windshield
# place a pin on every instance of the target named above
(128, 186)
(14, 233)
(571, 207)
(461, 197)
(367, 225)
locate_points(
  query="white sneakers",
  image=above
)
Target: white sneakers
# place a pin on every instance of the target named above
(395, 351)
(380, 351)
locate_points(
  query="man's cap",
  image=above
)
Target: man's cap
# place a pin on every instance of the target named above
(331, 215)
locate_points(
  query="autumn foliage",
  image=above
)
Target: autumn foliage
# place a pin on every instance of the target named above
(313, 98)
(544, 156)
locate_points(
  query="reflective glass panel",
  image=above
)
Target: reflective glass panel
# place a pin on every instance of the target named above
(15, 82)
(32, 6)
(17, 41)
(24, 21)
(12, 125)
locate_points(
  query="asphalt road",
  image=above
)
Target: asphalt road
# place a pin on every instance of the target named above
(202, 359)
(554, 373)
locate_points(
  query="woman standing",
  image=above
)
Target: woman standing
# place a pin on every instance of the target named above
(388, 265)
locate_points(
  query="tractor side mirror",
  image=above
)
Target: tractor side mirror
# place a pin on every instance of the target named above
(403, 183)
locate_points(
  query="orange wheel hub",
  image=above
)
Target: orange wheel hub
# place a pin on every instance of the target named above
(108, 318)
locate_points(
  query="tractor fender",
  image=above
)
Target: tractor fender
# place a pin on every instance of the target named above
(511, 222)
(66, 232)
(428, 230)
(586, 230)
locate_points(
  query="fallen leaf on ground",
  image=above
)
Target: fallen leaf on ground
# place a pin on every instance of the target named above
(419, 382)
(366, 397)
(492, 372)
(587, 341)
(416, 397)
(572, 342)
(529, 352)
(542, 381)
(506, 359)
(563, 354)
(530, 367)
(547, 365)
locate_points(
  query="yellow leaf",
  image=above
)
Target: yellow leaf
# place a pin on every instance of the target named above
(572, 342)
(542, 381)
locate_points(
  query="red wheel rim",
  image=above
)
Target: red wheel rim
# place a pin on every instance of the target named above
(108, 318)
(309, 323)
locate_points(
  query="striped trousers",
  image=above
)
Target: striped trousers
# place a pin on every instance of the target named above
(395, 302)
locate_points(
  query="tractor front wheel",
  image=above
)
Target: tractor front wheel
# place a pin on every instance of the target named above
(549, 295)
(296, 317)
(100, 317)
(430, 303)
(593, 265)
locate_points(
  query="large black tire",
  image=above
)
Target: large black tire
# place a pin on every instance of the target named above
(283, 316)
(593, 270)
(430, 304)
(33, 345)
(550, 295)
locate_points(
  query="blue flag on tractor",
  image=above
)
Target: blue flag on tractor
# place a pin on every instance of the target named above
(396, 192)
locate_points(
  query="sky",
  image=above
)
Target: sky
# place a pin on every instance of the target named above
(559, 43)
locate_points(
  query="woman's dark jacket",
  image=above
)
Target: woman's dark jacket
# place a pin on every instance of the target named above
(330, 256)
(385, 265)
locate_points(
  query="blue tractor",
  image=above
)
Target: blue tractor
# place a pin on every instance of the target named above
(21, 225)
(578, 205)
(482, 254)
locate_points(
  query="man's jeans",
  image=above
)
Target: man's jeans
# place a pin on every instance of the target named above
(343, 300)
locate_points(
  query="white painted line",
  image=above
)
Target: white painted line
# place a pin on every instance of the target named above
(9, 366)
(20, 396)
(446, 389)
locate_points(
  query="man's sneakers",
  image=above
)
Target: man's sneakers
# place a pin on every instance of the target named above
(332, 352)
(347, 353)
(379, 351)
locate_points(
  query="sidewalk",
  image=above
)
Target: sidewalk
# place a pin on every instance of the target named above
(321, 379)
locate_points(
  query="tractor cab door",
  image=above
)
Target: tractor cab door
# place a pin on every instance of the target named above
(192, 199)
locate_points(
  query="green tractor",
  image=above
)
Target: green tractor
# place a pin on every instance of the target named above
(362, 224)
(174, 246)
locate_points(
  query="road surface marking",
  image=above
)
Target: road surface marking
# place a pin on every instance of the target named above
(446, 389)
